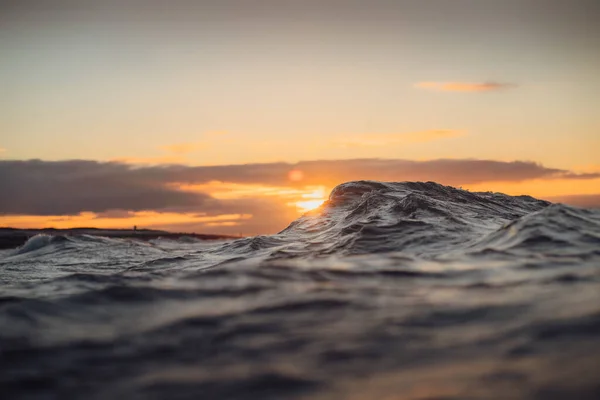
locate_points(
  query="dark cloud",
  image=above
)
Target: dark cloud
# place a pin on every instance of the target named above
(38, 187)
(69, 187)
(332, 172)
(578, 200)
(449, 172)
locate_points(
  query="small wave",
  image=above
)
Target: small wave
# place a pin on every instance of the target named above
(557, 229)
(40, 241)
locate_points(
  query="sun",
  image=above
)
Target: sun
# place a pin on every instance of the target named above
(308, 205)
(313, 200)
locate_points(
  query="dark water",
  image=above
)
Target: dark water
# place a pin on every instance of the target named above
(389, 291)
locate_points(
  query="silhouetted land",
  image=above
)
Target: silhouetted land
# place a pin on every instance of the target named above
(13, 237)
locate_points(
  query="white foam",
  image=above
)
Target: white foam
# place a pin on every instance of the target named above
(34, 243)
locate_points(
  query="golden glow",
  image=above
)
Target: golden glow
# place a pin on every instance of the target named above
(295, 175)
(308, 205)
(304, 199)
(315, 200)
(299, 200)
(225, 223)
(143, 219)
(228, 191)
(150, 160)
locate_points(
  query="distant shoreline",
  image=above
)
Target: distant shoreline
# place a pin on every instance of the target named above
(11, 238)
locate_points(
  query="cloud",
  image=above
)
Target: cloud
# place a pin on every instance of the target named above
(183, 148)
(175, 154)
(116, 213)
(583, 175)
(249, 199)
(578, 200)
(464, 86)
(446, 171)
(374, 140)
(2, 150)
(38, 187)
(151, 160)
(69, 187)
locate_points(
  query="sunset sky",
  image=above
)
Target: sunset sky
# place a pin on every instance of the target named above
(235, 116)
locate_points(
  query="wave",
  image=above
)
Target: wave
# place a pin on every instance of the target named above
(45, 244)
(555, 230)
(422, 219)
(414, 290)
(40, 241)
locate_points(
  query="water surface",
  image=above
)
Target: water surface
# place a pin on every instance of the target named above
(389, 291)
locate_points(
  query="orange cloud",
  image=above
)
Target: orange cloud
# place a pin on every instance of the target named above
(150, 160)
(177, 155)
(590, 168)
(233, 191)
(2, 150)
(141, 219)
(221, 224)
(464, 86)
(302, 199)
(249, 198)
(374, 140)
(183, 148)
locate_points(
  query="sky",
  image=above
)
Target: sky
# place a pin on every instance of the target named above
(236, 116)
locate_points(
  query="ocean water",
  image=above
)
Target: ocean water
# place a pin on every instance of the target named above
(388, 291)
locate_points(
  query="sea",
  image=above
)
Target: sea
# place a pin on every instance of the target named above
(407, 290)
